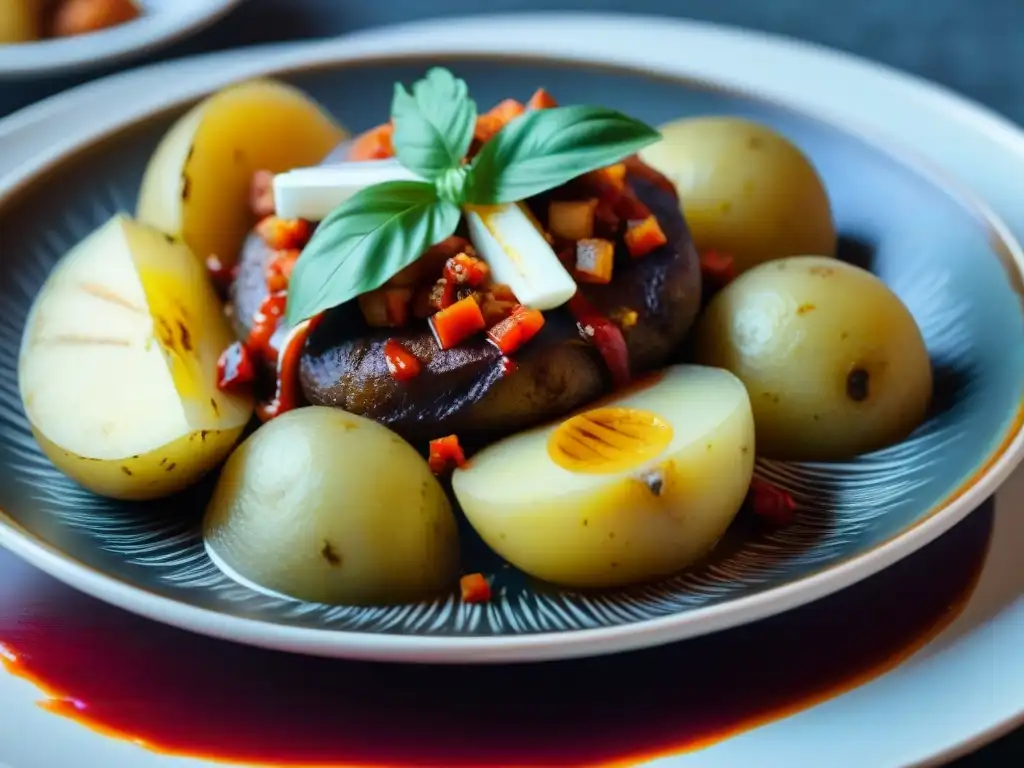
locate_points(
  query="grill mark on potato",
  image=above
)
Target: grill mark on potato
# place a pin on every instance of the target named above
(74, 338)
(105, 294)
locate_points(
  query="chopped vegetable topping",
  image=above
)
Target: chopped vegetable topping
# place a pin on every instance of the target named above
(624, 317)
(442, 294)
(644, 236)
(629, 207)
(284, 234)
(475, 588)
(445, 454)
(637, 167)
(265, 323)
(402, 364)
(374, 144)
(221, 275)
(605, 336)
(771, 504)
(279, 269)
(719, 269)
(456, 323)
(463, 269)
(572, 219)
(261, 194)
(612, 176)
(508, 366)
(595, 258)
(491, 122)
(541, 99)
(516, 329)
(386, 307)
(235, 368)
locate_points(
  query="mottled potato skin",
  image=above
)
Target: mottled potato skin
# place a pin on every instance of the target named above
(465, 390)
(834, 363)
(746, 190)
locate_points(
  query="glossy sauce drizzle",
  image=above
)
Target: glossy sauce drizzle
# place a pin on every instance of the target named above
(183, 694)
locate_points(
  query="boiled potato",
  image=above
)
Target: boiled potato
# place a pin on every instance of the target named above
(196, 185)
(20, 21)
(118, 366)
(639, 486)
(745, 190)
(326, 506)
(834, 363)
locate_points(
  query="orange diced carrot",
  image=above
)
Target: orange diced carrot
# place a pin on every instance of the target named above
(516, 329)
(644, 236)
(491, 122)
(595, 259)
(374, 144)
(572, 219)
(455, 324)
(475, 588)
(445, 454)
(541, 99)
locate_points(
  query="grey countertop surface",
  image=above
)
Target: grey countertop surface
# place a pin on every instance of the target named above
(973, 46)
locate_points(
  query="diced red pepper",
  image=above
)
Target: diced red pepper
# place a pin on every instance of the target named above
(402, 364)
(463, 269)
(605, 335)
(541, 99)
(261, 194)
(644, 236)
(235, 368)
(279, 269)
(516, 329)
(374, 144)
(284, 234)
(771, 504)
(455, 324)
(595, 259)
(221, 275)
(445, 454)
(265, 323)
(719, 269)
(501, 115)
(475, 588)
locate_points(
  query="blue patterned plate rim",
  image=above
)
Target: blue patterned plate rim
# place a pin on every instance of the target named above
(485, 37)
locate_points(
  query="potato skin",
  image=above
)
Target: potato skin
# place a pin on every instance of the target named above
(465, 390)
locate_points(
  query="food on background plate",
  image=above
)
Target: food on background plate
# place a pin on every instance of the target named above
(25, 21)
(502, 298)
(118, 366)
(833, 360)
(641, 485)
(326, 506)
(747, 191)
(197, 184)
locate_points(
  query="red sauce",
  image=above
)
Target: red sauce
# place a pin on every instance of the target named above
(184, 694)
(402, 364)
(605, 335)
(289, 391)
(265, 323)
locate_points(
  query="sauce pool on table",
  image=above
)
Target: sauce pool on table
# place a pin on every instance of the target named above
(184, 694)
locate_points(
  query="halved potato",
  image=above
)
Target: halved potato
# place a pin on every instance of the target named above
(196, 185)
(118, 365)
(639, 486)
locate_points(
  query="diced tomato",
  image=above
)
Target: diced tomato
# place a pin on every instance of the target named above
(606, 337)
(462, 269)
(402, 364)
(718, 269)
(445, 454)
(541, 99)
(771, 504)
(455, 324)
(475, 588)
(516, 329)
(261, 194)
(279, 269)
(235, 368)
(284, 234)
(491, 122)
(265, 323)
(374, 144)
(644, 236)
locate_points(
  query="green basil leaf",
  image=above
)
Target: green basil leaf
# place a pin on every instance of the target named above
(543, 149)
(434, 124)
(366, 241)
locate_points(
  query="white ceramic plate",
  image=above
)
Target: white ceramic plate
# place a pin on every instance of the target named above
(162, 22)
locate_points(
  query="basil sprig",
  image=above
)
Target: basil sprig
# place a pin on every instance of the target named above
(385, 227)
